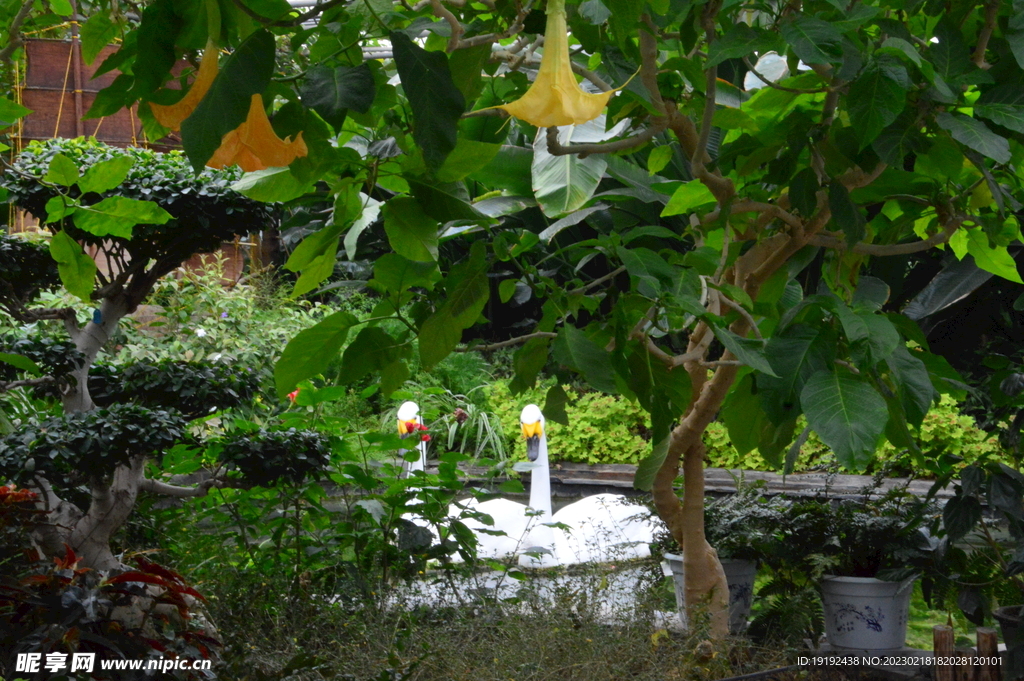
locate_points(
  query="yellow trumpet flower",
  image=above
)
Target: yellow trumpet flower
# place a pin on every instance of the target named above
(170, 116)
(254, 145)
(555, 98)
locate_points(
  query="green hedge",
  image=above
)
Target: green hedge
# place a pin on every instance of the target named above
(609, 429)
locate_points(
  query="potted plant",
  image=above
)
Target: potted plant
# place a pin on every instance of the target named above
(738, 526)
(868, 551)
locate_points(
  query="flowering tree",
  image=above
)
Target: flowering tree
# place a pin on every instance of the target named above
(706, 241)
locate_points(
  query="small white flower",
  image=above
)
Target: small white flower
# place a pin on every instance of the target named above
(200, 332)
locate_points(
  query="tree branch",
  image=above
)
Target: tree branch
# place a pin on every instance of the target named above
(177, 491)
(509, 342)
(830, 241)
(14, 40)
(443, 12)
(555, 148)
(597, 282)
(30, 382)
(985, 34)
(730, 303)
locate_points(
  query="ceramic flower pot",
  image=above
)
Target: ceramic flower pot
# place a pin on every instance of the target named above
(739, 575)
(864, 613)
(1009, 617)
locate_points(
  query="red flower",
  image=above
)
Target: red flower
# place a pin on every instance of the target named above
(424, 438)
(293, 394)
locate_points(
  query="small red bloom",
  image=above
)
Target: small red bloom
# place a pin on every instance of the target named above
(424, 438)
(293, 394)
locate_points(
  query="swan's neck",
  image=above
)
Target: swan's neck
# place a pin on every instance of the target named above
(540, 481)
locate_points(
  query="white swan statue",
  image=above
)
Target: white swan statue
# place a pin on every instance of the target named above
(410, 425)
(599, 528)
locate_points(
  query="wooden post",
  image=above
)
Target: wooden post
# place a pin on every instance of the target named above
(988, 650)
(942, 642)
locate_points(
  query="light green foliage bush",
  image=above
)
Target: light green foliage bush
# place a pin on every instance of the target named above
(610, 429)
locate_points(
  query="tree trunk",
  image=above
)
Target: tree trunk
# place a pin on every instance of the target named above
(89, 340)
(112, 504)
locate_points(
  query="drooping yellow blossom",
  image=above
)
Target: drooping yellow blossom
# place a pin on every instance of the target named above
(171, 116)
(254, 145)
(555, 98)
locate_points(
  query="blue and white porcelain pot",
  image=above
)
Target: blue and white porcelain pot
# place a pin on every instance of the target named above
(739, 575)
(863, 613)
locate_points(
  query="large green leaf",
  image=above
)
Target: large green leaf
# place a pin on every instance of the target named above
(436, 102)
(795, 354)
(245, 73)
(11, 111)
(77, 270)
(372, 350)
(62, 170)
(739, 41)
(845, 213)
(272, 185)
(1003, 105)
(319, 268)
(312, 351)
(875, 101)
(743, 416)
(468, 291)
(528, 361)
(106, 175)
(331, 92)
(157, 32)
(575, 350)
(97, 32)
(975, 135)
(397, 274)
(750, 351)
(469, 156)
(116, 215)
(411, 233)
(21, 362)
(994, 259)
(441, 205)
(563, 184)
(687, 197)
(914, 385)
(813, 40)
(847, 413)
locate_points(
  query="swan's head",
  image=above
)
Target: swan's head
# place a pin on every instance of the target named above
(408, 415)
(532, 421)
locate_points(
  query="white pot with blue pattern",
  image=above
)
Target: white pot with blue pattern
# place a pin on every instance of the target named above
(863, 613)
(739, 575)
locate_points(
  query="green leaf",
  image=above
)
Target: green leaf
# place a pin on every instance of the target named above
(436, 102)
(750, 351)
(796, 354)
(21, 362)
(960, 515)
(372, 350)
(575, 350)
(506, 290)
(443, 206)
(116, 215)
(411, 233)
(563, 184)
(156, 56)
(62, 171)
(106, 175)
(845, 213)
(1016, 41)
(554, 405)
(899, 139)
(62, 7)
(807, 36)
(875, 101)
(245, 73)
(312, 247)
(98, 32)
(883, 338)
(688, 196)
(468, 157)
(332, 92)
(994, 259)
(272, 185)
(318, 269)
(975, 135)
(651, 272)
(58, 207)
(651, 464)
(658, 159)
(468, 291)
(311, 351)
(397, 274)
(1003, 105)
(77, 270)
(739, 41)
(803, 190)
(914, 385)
(847, 413)
(743, 416)
(10, 112)
(528, 361)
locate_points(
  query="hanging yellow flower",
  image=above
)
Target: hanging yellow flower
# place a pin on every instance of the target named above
(254, 145)
(555, 98)
(171, 116)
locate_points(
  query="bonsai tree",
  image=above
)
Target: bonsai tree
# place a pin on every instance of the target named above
(119, 419)
(715, 246)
